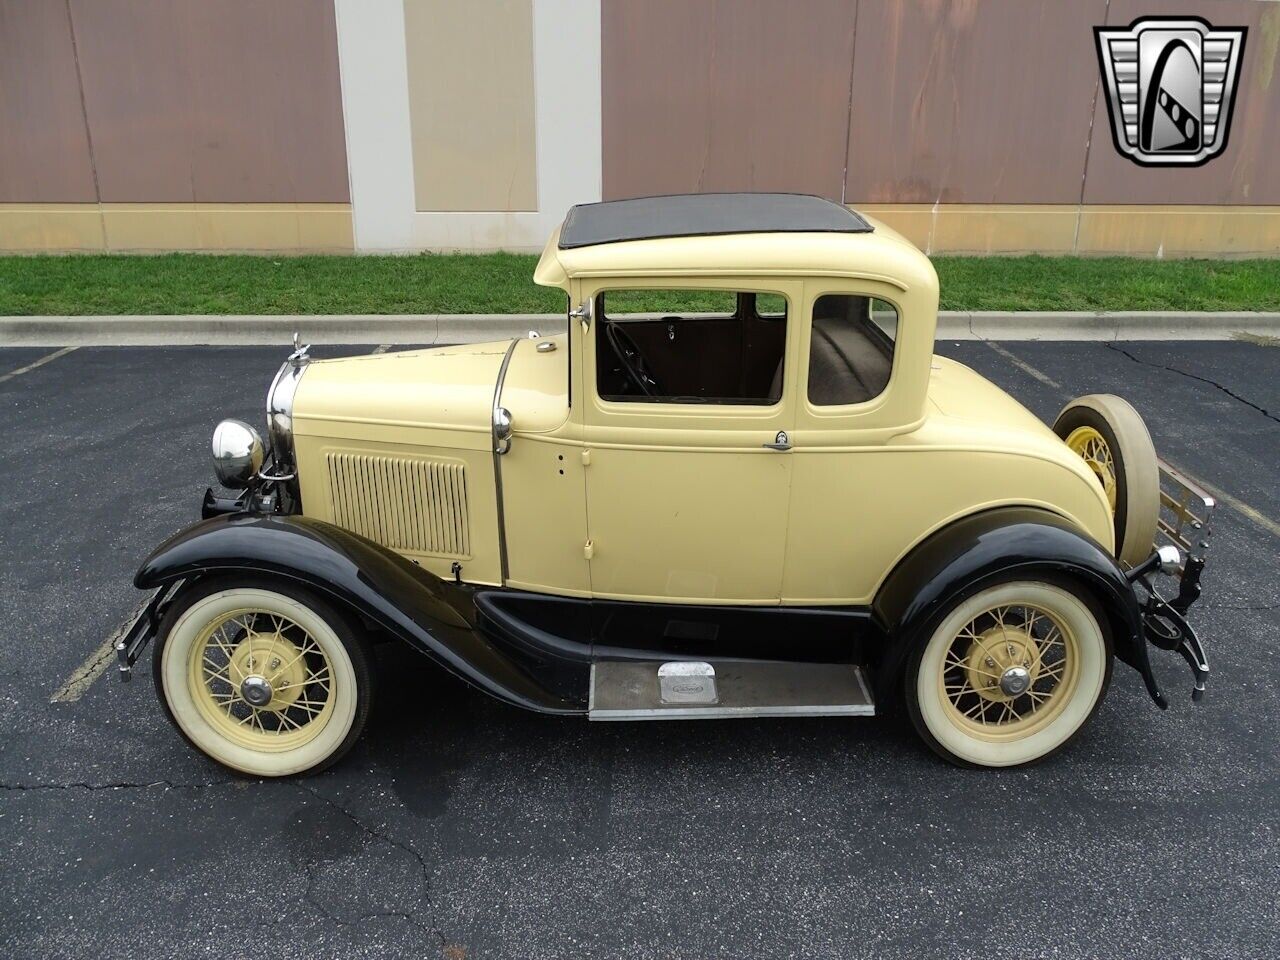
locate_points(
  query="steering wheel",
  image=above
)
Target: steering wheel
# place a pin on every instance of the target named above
(632, 359)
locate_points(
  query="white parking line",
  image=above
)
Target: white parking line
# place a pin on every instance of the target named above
(1239, 506)
(38, 363)
(82, 678)
(1025, 367)
(1242, 508)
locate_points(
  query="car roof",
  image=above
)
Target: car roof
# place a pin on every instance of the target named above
(703, 215)
(815, 238)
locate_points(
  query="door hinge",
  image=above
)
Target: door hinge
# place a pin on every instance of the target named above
(586, 458)
(583, 313)
(588, 550)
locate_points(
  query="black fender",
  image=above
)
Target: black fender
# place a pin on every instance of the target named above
(433, 615)
(980, 549)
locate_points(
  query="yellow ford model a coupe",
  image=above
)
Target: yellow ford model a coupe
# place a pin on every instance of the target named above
(739, 484)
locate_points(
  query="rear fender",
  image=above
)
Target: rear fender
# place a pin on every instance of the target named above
(433, 615)
(1001, 544)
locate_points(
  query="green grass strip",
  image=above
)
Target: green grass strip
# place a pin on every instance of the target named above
(501, 283)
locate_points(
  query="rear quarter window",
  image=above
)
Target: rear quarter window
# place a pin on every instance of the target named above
(851, 349)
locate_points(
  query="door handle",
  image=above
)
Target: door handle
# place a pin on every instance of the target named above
(780, 442)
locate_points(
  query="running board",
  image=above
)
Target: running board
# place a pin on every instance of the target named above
(685, 690)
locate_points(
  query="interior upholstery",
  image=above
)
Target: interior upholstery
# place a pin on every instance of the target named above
(738, 358)
(848, 359)
(718, 359)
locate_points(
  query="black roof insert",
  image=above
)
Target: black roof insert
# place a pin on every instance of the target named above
(704, 215)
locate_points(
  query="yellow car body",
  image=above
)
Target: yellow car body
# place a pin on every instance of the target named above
(680, 502)
(787, 507)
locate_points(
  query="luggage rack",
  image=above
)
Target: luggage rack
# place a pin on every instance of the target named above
(1185, 509)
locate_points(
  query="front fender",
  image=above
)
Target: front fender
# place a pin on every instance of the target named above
(435, 616)
(994, 545)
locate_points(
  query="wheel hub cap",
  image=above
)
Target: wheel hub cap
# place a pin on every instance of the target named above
(256, 691)
(1003, 663)
(267, 671)
(1015, 681)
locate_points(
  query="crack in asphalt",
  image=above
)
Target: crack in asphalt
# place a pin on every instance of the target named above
(428, 929)
(83, 785)
(1213, 383)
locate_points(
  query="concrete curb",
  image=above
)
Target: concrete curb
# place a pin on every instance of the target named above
(471, 328)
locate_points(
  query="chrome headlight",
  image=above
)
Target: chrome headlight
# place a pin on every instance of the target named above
(237, 453)
(280, 411)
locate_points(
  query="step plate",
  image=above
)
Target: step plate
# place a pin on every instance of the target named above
(623, 690)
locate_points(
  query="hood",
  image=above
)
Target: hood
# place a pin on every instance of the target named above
(449, 388)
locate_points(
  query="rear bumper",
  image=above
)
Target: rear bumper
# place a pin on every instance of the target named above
(1185, 510)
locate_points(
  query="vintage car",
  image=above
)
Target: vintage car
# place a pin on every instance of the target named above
(740, 483)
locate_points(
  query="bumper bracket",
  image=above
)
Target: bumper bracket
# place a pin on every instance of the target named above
(129, 647)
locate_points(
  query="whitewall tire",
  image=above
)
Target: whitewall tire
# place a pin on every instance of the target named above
(1112, 439)
(265, 678)
(1009, 674)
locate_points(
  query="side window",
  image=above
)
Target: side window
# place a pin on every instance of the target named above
(850, 348)
(690, 346)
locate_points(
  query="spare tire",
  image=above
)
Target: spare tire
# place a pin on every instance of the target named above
(1111, 437)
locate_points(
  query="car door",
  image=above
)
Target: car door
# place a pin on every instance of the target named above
(687, 501)
(856, 484)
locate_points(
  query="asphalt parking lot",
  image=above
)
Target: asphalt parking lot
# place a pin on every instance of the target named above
(462, 828)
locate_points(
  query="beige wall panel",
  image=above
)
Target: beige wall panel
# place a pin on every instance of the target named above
(148, 227)
(972, 101)
(981, 228)
(913, 220)
(50, 227)
(1180, 231)
(44, 152)
(471, 104)
(325, 227)
(213, 100)
(285, 227)
(1248, 171)
(1006, 228)
(705, 96)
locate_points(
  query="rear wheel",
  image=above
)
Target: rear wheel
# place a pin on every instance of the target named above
(1009, 675)
(265, 678)
(1109, 435)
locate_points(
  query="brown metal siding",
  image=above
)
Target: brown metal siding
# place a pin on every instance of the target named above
(210, 101)
(213, 100)
(964, 101)
(44, 153)
(972, 102)
(1248, 171)
(706, 96)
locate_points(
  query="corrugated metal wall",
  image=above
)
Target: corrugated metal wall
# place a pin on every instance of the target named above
(224, 101)
(970, 125)
(906, 101)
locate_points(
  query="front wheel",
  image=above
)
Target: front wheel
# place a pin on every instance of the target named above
(265, 678)
(1009, 675)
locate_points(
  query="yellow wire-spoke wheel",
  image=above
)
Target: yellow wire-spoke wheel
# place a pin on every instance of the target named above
(261, 679)
(1009, 674)
(1009, 670)
(267, 681)
(1090, 445)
